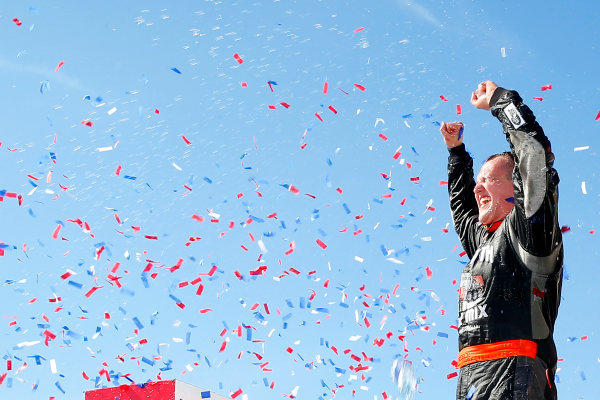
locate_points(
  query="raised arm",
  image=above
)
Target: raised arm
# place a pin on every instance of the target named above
(460, 188)
(535, 180)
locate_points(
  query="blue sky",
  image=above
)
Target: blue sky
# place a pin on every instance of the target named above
(268, 181)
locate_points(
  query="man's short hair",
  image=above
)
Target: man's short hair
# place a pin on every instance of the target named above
(506, 154)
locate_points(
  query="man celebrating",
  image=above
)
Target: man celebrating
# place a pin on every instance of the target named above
(508, 225)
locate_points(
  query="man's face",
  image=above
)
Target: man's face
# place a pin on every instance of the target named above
(494, 190)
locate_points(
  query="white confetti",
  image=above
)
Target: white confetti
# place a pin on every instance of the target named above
(378, 120)
(53, 366)
(177, 167)
(394, 260)
(503, 51)
(28, 344)
(354, 338)
(581, 148)
(112, 111)
(262, 246)
(583, 189)
(359, 259)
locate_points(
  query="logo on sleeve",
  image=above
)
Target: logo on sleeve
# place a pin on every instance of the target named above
(514, 116)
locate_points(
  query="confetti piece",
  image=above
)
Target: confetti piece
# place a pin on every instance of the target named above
(333, 110)
(244, 84)
(237, 57)
(360, 87)
(452, 375)
(56, 231)
(325, 87)
(546, 87)
(598, 116)
(318, 116)
(358, 30)
(443, 98)
(471, 392)
(583, 188)
(321, 244)
(186, 140)
(118, 170)
(581, 148)
(538, 98)
(17, 22)
(112, 111)
(503, 52)
(60, 64)
(458, 109)
(87, 122)
(176, 70)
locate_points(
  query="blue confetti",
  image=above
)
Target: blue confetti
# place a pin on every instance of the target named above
(176, 70)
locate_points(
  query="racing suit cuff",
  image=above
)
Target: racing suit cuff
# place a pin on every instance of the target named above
(496, 96)
(457, 153)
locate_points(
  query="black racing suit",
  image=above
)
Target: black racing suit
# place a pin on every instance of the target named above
(510, 289)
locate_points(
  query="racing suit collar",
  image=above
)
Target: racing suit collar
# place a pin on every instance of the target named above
(493, 226)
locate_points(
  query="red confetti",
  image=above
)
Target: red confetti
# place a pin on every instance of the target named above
(360, 87)
(321, 244)
(458, 109)
(538, 98)
(87, 122)
(319, 117)
(294, 190)
(151, 237)
(156, 111)
(118, 170)
(272, 107)
(382, 136)
(92, 290)
(598, 116)
(18, 23)
(397, 155)
(60, 64)
(56, 231)
(359, 29)
(452, 375)
(186, 140)
(429, 272)
(286, 105)
(238, 58)
(333, 110)
(443, 183)
(546, 87)
(325, 87)
(244, 84)
(236, 394)
(443, 98)
(565, 228)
